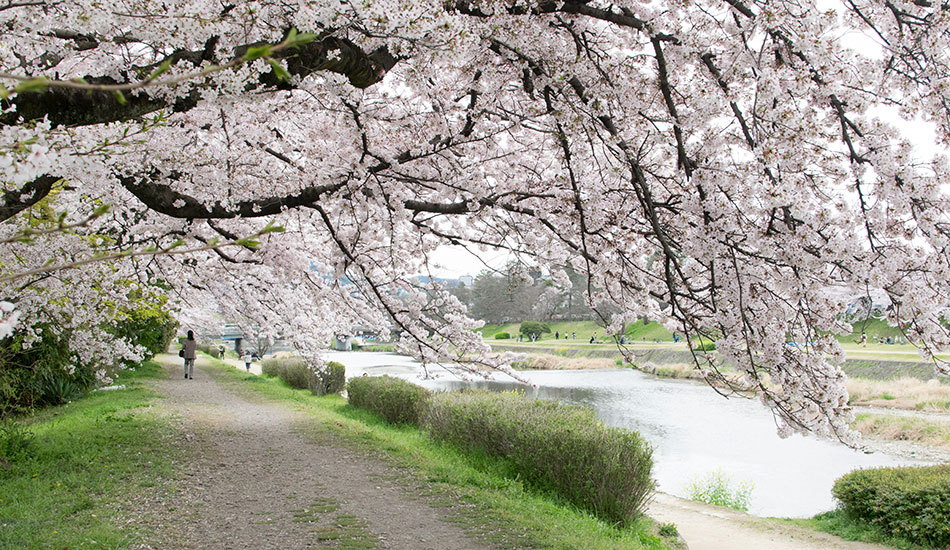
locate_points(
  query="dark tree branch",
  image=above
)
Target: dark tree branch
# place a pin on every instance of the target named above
(162, 198)
(76, 107)
(18, 200)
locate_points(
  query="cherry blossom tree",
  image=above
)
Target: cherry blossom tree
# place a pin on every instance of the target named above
(726, 166)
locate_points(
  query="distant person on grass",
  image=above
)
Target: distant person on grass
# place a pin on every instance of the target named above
(246, 357)
(188, 348)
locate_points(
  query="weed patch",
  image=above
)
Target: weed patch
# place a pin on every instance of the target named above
(717, 488)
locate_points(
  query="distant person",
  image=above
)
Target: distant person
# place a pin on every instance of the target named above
(864, 339)
(573, 336)
(676, 337)
(188, 349)
(247, 360)
(557, 335)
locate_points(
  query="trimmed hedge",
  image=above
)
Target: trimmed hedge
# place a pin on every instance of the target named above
(396, 400)
(333, 377)
(534, 328)
(553, 446)
(909, 502)
(297, 374)
(211, 350)
(502, 336)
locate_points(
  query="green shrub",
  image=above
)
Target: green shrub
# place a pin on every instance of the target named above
(297, 374)
(153, 330)
(211, 350)
(396, 400)
(502, 336)
(534, 328)
(910, 502)
(702, 344)
(331, 378)
(668, 530)
(556, 447)
(716, 488)
(39, 374)
(291, 370)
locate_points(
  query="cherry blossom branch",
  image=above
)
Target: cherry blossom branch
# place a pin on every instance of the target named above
(97, 100)
(172, 250)
(27, 234)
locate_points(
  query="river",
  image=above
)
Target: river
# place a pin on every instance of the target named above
(693, 430)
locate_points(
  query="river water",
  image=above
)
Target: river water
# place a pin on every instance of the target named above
(693, 430)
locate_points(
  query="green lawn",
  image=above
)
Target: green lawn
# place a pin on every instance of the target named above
(64, 469)
(584, 330)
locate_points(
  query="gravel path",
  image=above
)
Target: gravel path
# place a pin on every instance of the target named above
(255, 483)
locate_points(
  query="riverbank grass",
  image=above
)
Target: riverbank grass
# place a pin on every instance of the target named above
(500, 510)
(840, 525)
(68, 466)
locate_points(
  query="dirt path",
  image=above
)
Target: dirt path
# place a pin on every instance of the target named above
(256, 483)
(707, 527)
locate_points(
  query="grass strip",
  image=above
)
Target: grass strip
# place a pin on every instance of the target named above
(59, 489)
(838, 524)
(497, 509)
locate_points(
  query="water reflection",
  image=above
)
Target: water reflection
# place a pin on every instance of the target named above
(693, 431)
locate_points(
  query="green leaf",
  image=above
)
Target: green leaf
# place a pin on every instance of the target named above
(257, 52)
(248, 242)
(279, 71)
(120, 97)
(295, 39)
(271, 228)
(176, 244)
(38, 84)
(101, 210)
(4, 92)
(162, 69)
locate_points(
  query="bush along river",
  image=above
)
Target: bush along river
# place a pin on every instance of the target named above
(694, 431)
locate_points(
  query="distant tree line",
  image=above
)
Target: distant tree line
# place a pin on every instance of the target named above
(516, 293)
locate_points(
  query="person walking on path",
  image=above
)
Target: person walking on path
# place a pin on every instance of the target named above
(188, 347)
(246, 357)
